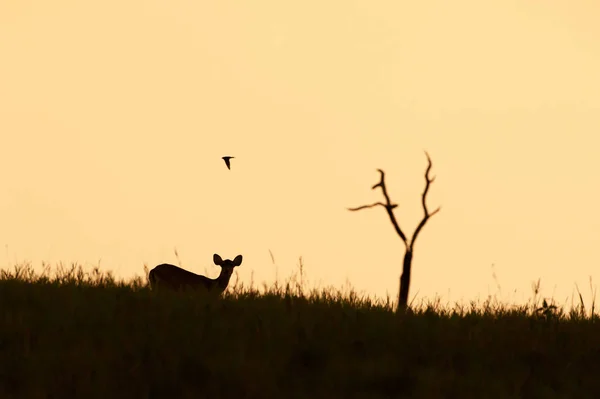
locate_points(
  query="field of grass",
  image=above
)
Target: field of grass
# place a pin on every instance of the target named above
(79, 334)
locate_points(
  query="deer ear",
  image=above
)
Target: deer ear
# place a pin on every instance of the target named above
(238, 260)
(217, 259)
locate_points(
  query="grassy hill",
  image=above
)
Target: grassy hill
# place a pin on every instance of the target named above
(85, 335)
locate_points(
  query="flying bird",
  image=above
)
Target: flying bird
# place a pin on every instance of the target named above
(227, 162)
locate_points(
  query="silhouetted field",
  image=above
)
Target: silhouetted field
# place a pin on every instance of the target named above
(85, 335)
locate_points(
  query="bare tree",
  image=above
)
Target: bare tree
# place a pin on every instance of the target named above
(409, 244)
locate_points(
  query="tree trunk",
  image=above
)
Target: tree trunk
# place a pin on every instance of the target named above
(405, 280)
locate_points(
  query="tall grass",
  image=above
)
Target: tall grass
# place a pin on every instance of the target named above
(69, 332)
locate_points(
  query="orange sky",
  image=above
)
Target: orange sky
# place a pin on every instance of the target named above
(114, 116)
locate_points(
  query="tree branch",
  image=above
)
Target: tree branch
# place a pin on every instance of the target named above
(358, 208)
(428, 181)
(389, 207)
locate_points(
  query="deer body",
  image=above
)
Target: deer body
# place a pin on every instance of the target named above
(178, 279)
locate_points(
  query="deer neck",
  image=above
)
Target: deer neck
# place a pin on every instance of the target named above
(223, 279)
